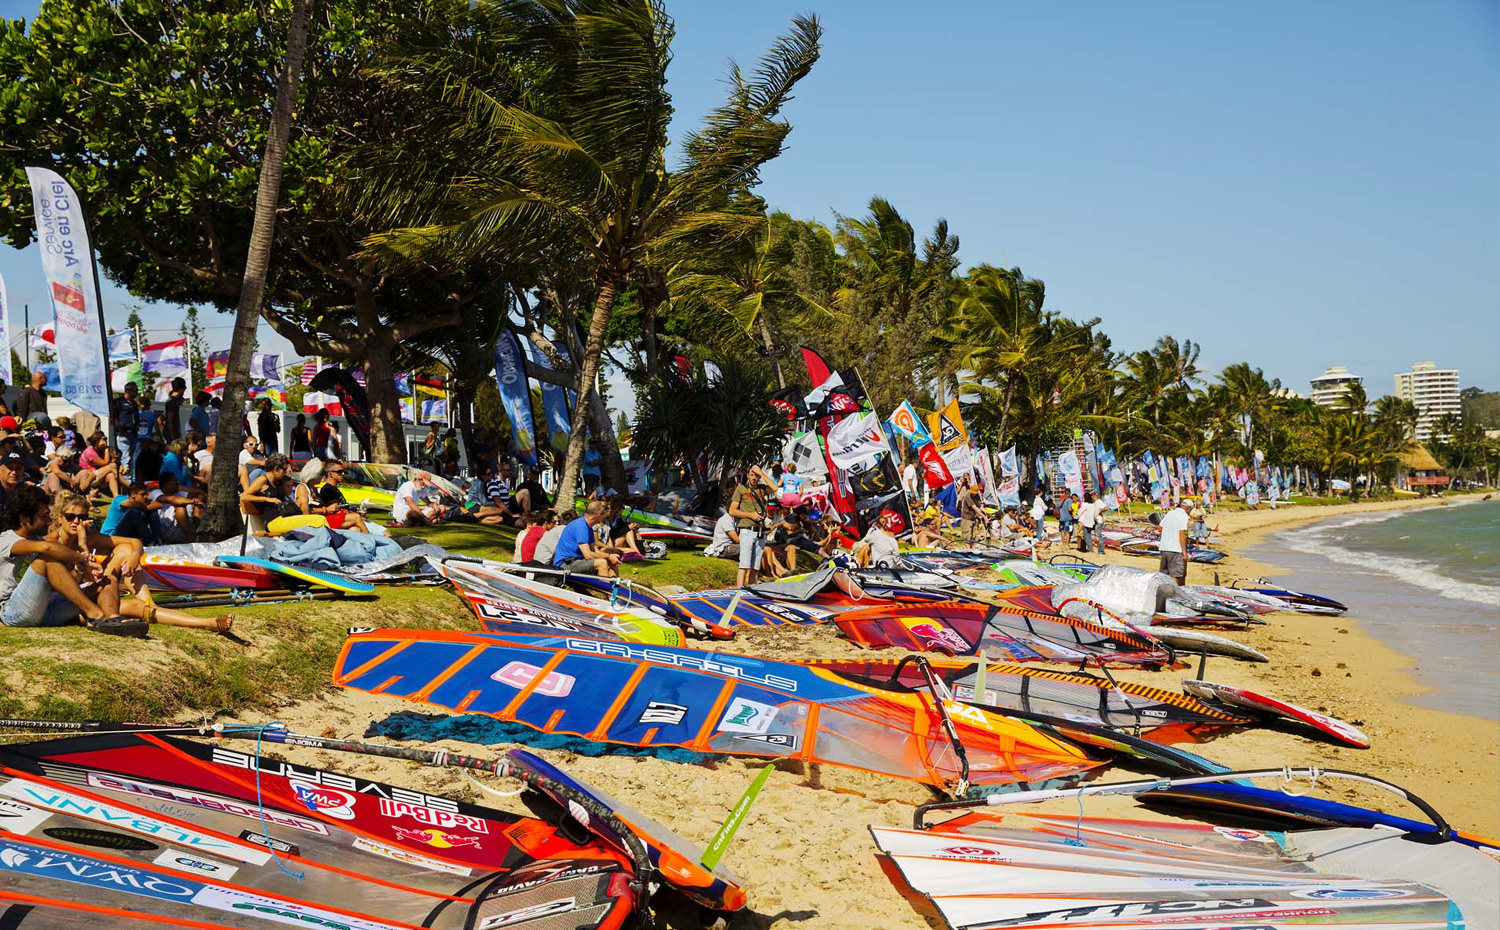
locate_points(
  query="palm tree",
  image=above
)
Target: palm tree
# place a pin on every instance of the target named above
(551, 119)
(999, 331)
(222, 508)
(749, 291)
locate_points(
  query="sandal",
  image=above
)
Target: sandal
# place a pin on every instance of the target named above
(223, 623)
(119, 626)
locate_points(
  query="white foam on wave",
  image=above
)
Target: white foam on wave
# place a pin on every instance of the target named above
(1315, 540)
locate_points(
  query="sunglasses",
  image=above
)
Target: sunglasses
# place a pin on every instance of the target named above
(75, 517)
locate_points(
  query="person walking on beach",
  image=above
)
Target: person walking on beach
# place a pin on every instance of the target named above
(1088, 521)
(1173, 545)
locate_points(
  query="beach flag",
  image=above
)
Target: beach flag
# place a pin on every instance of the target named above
(436, 410)
(987, 475)
(855, 439)
(934, 470)
(947, 427)
(265, 367)
(804, 452)
(1010, 492)
(820, 393)
(124, 375)
(120, 349)
(43, 336)
(216, 364)
(515, 396)
(557, 400)
(904, 420)
(165, 358)
(1008, 466)
(68, 263)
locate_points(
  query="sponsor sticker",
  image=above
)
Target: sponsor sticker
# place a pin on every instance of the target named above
(746, 716)
(929, 633)
(438, 839)
(195, 865)
(20, 818)
(410, 858)
(81, 870)
(527, 914)
(1245, 836)
(65, 802)
(970, 852)
(208, 802)
(660, 712)
(1352, 894)
(271, 842)
(521, 674)
(433, 817)
(785, 740)
(330, 802)
(275, 910)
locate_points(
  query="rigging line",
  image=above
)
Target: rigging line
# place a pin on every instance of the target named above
(260, 804)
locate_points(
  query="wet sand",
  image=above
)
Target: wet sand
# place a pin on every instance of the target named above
(804, 851)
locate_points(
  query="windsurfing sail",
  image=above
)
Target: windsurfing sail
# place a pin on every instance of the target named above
(985, 871)
(141, 830)
(500, 598)
(1003, 631)
(1073, 697)
(719, 607)
(639, 695)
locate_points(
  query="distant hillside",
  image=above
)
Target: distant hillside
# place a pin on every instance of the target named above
(1485, 407)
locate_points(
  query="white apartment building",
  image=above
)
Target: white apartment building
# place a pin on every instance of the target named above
(1434, 391)
(1332, 384)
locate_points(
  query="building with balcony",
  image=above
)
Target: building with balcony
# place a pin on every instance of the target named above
(1434, 391)
(1332, 384)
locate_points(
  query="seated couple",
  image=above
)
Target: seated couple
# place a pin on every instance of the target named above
(286, 502)
(49, 577)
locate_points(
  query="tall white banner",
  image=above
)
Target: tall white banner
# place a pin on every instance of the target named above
(6, 374)
(68, 263)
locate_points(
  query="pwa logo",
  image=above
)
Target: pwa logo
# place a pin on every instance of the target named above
(324, 800)
(1351, 894)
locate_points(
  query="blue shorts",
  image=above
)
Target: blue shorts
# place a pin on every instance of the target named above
(34, 602)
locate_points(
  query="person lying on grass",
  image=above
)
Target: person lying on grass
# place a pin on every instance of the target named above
(56, 581)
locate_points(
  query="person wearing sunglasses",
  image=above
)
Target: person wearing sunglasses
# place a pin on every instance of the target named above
(56, 580)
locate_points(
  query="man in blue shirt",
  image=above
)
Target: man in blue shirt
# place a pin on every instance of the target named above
(126, 415)
(576, 550)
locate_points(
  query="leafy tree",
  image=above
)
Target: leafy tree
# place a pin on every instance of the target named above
(156, 111)
(729, 423)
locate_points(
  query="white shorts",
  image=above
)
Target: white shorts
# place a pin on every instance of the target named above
(752, 548)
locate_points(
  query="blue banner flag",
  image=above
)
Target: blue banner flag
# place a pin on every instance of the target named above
(556, 400)
(515, 396)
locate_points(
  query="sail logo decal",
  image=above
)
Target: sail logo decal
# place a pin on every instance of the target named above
(520, 674)
(662, 713)
(433, 818)
(64, 802)
(745, 716)
(438, 839)
(330, 802)
(699, 662)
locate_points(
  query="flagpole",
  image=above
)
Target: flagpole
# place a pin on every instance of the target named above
(109, 391)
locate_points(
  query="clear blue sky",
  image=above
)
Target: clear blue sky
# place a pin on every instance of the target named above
(1294, 185)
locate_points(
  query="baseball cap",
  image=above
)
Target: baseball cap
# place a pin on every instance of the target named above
(13, 460)
(9, 423)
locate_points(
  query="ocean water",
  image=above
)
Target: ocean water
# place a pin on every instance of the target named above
(1426, 582)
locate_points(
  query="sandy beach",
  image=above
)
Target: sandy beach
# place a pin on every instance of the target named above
(804, 852)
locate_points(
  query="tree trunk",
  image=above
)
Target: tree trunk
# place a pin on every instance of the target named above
(765, 335)
(465, 400)
(611, 466)
(588, 373)
(1010, 390)
(387, 437)
(221, 513)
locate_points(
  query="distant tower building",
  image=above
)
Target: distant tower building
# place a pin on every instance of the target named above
(1434, 391)
(1332, 384)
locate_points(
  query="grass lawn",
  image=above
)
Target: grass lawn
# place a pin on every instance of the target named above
(72, 674)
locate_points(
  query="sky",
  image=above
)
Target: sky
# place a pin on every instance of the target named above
(1293, 185)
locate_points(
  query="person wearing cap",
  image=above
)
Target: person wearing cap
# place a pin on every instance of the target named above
(1174, 544)
(9, 425)
(12, 475)
(417, 502)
